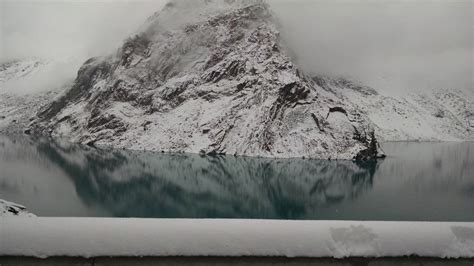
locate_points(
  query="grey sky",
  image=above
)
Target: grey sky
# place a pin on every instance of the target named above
(391, 44)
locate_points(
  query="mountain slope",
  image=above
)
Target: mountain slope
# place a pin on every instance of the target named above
(19, 69)
(20, 100)
(216, 83)
(438, 115)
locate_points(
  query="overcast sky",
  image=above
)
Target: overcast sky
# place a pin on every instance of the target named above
(391, 44)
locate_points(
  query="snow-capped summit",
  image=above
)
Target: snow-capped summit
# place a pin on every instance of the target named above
(178, 13)
(210, 5)
(220, 84)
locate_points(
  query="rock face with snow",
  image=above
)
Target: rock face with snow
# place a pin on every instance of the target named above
(10, 209)
(16, 106)
(205, 77)
(437, 115)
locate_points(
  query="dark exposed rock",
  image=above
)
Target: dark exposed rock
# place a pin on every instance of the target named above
(92, 70)
(230, 70)
(371, 152)
(65, 118)
(439, 113)
(318, 123)
(138, 45)
(13, 210)
(146, 124)
(91, 143)
(336, 110)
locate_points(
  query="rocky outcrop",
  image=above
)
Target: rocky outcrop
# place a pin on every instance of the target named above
(215, 83)
(10, 209)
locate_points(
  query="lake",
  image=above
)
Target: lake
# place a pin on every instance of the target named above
(417, 182)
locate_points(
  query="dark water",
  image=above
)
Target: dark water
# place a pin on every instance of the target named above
(419, 181)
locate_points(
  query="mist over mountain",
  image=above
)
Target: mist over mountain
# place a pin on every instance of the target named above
(215, 82)
(392, 46)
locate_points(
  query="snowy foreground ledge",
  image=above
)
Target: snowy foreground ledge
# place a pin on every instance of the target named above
(91, 237)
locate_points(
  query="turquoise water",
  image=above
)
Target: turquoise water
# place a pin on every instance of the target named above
(417, 182)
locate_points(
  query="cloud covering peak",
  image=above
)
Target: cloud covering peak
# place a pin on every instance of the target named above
(393, 45)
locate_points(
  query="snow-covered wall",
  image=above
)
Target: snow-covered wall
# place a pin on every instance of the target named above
(47, 237)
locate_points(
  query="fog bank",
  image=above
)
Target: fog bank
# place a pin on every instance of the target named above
(391, 45)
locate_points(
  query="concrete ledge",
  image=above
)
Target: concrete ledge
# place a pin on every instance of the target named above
(234, 261)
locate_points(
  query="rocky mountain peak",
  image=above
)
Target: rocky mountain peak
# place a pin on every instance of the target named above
(210, 4)
(215, 82)
(179, 13)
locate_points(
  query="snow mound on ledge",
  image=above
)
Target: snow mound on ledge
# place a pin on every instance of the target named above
(47, 237)
(10, 209)
(221, 83)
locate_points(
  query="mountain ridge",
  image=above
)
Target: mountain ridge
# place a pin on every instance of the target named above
(219, 86)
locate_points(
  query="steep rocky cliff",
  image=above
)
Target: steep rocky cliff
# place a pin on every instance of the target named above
(208, 76)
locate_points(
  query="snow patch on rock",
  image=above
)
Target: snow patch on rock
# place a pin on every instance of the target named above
(10, 209)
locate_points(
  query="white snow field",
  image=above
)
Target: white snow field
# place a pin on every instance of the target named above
(92, 237)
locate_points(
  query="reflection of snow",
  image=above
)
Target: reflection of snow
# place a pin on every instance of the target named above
(45, 237)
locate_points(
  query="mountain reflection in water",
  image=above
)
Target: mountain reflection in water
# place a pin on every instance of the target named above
(61, 179)
(133, 184)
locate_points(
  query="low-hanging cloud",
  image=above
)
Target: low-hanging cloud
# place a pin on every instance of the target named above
(68, 28)
(64, 34)
(394, 45)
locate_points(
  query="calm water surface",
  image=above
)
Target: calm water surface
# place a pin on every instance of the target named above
(419, 181)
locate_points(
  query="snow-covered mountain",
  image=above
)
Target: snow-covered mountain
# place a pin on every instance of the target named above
(217, 82)
(436, 115)
(22, 92)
